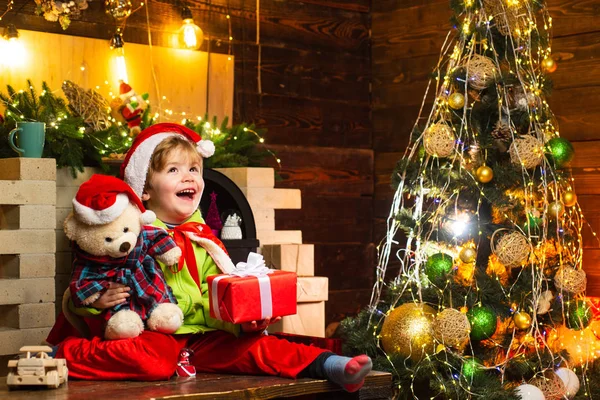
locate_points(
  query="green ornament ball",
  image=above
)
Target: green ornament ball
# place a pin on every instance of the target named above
(483, 322)
(472, 368)
(579, 315)
(532, 223)
(561, 150)
(438, 266)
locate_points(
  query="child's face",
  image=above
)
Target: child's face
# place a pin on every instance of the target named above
(175, 191)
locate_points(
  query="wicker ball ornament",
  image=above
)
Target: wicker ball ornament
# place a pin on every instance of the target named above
(570, 280)
(527, 151)
(512, 249)
(452, 328)
(551, 385)
(408, 331)
(439, 140)
(481, 72)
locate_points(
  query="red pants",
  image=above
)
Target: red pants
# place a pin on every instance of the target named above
(153, 356)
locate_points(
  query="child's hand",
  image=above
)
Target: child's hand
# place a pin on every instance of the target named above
(115, 294)
(258, 326)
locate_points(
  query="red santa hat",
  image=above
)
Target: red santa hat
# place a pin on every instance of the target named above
(135, 166)
(125, 91)
(103, 198)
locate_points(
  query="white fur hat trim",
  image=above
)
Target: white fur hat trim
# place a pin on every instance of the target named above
(90, 216)
(206, 148)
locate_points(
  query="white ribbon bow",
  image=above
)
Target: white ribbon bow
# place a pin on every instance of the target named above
(255, 266)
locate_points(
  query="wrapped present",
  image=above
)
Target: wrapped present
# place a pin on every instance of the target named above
(252, 292)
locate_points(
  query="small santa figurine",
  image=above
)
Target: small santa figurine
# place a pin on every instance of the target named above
(129, 107)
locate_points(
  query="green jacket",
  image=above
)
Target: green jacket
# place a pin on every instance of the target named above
(193, 303)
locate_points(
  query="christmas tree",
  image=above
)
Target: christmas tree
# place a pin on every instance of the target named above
(212, 216)
(486, 297)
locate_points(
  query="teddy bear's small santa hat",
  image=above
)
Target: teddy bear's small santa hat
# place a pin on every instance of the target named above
(137, 161)
(103, 198)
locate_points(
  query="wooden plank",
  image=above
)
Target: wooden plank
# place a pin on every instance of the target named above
(577, 57)
(303, 73)
(325, 170)
(350, 5)
(310, 27)
(203, 386)
(591, 260)
(590, 205)
(348, 266)
(294, 121)
(586, 154)
(392, 126)
(571, 17)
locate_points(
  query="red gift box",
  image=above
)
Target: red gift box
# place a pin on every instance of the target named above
(250, 298)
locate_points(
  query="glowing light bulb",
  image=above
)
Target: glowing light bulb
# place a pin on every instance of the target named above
(118, 46)
(11, 49)
(190, 34)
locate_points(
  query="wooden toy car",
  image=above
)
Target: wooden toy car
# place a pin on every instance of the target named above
(39, 370)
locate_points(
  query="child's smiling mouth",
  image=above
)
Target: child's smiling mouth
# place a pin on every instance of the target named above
(186, 194)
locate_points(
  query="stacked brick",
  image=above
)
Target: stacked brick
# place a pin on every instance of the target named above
(27, 247)
(284, 250)
(66, 188)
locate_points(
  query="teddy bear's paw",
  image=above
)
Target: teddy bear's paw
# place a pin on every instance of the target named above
(171, 257)
(124, 325)
(165, 318)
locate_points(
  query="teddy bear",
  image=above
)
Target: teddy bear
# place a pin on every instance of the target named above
(129, 108)
(113, 243)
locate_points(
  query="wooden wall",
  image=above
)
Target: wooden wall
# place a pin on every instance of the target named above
(315, 102)
(407, 37)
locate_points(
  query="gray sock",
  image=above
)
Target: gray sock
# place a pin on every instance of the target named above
(335, 368)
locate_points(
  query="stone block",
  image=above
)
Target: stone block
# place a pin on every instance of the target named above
(27, 241)
(28, 192)
(309, 320)
(23, 291)
(250, 177)
(27, 169)
(273, 198)
(36, 265)
(27, 217)
(298, 258)
(279, 237)
(264, 218)
(24, 316)
(11, 340)
(312, 289)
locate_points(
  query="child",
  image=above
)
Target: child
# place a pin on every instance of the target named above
(164, 167)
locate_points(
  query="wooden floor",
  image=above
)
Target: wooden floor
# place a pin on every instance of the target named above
(208, 386)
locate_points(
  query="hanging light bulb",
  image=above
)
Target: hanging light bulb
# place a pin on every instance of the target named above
(190, 34)
(11, 49)
(117, 44)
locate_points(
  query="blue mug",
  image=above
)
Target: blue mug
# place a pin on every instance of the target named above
(30, 137)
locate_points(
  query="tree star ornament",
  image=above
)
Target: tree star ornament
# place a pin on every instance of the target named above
(484, 174)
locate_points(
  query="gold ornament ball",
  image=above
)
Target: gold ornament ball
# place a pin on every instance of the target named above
(549, 64)
(467, 255)
(408, 331)
(522, 320)
(456, 100)
(484, 174)
(569, 198)
(118, 9)
(556, 209)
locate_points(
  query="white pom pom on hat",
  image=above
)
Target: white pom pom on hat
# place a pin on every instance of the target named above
(103, 198)
(135, 166)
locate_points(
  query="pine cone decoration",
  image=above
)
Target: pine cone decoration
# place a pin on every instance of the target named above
(502, 134)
